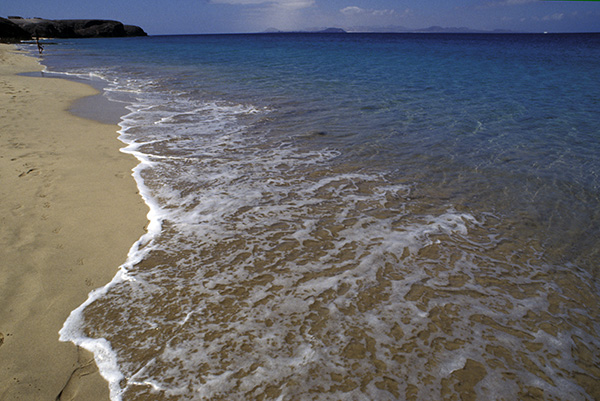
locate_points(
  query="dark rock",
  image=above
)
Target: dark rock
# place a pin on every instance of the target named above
(42, 28)
(132, 30)
(76, 28)
(11, 32)
(95, 28)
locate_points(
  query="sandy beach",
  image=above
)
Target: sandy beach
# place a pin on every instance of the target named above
(69, 212)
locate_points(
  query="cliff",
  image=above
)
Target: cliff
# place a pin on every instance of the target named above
(74, 28)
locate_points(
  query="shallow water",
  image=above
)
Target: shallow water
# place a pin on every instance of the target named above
(353, 217)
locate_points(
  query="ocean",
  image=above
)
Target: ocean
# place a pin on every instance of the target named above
(352, 217)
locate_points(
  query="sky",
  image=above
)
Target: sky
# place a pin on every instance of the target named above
(243, 16)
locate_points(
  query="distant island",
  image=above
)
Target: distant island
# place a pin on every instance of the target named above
(18, 28)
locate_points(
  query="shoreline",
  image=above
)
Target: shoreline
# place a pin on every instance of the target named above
(66, 225)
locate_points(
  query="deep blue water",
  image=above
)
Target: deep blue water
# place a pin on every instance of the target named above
(356, 216)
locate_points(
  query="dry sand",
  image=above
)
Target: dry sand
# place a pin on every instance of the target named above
(69, 212)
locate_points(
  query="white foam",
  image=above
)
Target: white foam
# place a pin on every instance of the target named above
(104, 355)
(452, 365)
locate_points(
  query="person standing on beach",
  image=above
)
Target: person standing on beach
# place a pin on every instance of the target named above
(40, 47)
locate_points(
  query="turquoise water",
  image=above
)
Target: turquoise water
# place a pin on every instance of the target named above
(359, 216)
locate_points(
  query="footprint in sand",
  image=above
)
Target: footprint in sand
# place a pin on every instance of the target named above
(2, 337)
(17, 211)
(31, 171)
(85, 366)
(17, 145)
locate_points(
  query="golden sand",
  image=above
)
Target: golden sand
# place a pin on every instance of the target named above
(69, 212)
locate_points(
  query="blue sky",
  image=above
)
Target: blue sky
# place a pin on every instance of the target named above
(228, 16)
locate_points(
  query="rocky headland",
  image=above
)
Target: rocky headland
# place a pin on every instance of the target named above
(17, 28)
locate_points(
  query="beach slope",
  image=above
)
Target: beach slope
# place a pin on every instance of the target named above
(69, 212)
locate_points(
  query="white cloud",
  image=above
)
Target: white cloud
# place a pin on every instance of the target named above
(553, 17)
(513, 2)
(289, 4)
(280, 14)
(353, 10)
(509, 3)
(383, 12)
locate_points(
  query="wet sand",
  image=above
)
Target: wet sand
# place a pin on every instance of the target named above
(69, 212)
